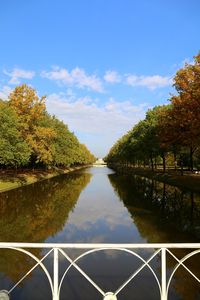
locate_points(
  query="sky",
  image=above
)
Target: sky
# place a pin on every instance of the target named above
(101, 63)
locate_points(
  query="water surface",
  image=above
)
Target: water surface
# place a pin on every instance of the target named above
(95, 205)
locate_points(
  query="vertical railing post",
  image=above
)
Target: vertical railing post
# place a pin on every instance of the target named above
(55, 275)
(163, 274)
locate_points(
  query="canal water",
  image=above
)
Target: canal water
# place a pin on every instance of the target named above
(96, 205)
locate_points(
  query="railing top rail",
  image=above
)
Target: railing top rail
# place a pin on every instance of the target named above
(99, 245)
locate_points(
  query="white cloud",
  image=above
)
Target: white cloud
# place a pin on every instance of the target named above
(4, 92)
(112, 77)
(85, 115)
(102, 124)
(16, 74)
(88, 218)
(77, 77)
(151, 82)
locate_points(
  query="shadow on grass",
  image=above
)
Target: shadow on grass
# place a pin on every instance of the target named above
(11, 178)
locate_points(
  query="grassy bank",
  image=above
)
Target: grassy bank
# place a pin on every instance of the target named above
(11, 179)
(187, 181)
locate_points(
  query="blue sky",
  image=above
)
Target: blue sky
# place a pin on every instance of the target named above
(101, 63)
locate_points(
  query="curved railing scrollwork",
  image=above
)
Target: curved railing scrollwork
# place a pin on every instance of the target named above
(55, 251)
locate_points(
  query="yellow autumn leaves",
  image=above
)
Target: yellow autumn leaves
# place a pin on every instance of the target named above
(29, 136)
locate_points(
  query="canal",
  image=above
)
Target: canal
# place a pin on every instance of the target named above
(96, 205)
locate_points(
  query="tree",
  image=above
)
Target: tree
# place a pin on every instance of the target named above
(186, 106)
(14, 151)
(31, 136)
(141, 144)
(28, 107)
(65, 143)
(33, 122)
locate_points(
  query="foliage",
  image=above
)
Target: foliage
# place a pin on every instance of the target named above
(31, 137)
(167, 130)
(141, 144)
(14, 151)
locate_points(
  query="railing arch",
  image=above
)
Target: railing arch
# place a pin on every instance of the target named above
(180, 263)
(57, 249)
(146, 263)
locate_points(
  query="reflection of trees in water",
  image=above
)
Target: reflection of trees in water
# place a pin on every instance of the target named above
(157, 208)
(34, 213)
(164, 214)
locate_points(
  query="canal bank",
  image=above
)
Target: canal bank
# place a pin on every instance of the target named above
(12, 179)
(187, 181)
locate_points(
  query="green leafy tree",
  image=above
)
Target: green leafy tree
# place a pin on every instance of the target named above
(14, 151)
(33, 122)
(50, 141)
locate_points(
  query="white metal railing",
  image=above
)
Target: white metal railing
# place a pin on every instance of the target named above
(160, 250)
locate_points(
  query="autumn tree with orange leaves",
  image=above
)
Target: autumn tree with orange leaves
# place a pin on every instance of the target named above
(185, 112)
(167, 130)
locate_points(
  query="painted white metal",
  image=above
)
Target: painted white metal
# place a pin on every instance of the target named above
(39, 263)
(97, 246)
(55, 274)
(57, 250)
(4, 295)
(73, 263)
(181, 263)
(163, 274)
(110, 296)
(146, 263)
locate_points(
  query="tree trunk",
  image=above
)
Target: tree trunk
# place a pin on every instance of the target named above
(191, 158)
(175, 161)
(155, 161)
(151, 158)
(164, 163)
(163, 200)
(181, 168)
(192, 208)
